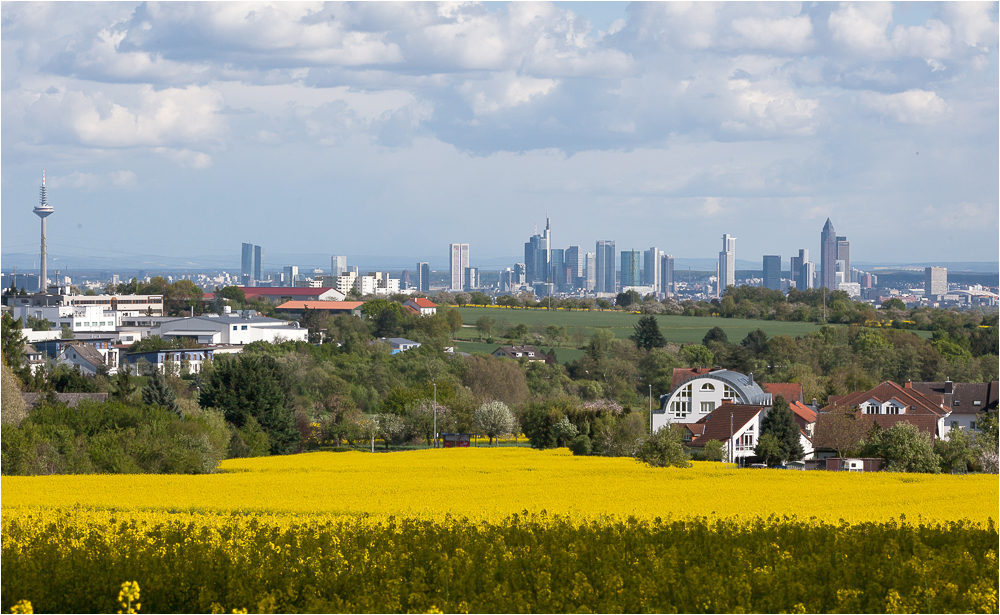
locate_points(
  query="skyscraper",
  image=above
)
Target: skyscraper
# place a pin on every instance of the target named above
(590, 271)
(574, 261)
(844, 254)
(667, 274)
(796, 269)
(651, 269)
(772, 272)
(423, 277)
(338, 265)
(251, 264)
(935, 281)
(605, 279)
(520, 274)
(43, 210)
(828, 256)
(630, 269)
(537, 255)
(458, 260)
(727, 263)
(404, 280)
(258, 264)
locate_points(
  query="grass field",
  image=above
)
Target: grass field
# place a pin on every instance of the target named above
(563, 354)
(681, 329)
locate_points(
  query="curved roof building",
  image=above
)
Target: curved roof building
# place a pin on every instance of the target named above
(702, 391)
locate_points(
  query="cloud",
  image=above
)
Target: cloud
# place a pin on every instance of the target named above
(503, 91)
(794, 34)
(92, 182)
(910, 107)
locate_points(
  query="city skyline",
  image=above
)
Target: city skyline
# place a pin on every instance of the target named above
(655, 124)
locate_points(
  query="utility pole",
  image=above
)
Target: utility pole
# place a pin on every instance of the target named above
(435, 414)
(651, 409)
(732, 445)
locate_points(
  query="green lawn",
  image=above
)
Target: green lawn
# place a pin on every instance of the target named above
(681, 329)
(563, 355)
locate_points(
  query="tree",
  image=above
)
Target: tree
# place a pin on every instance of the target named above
(664, 449)
(841, 431)
(904, 449)
(621, 437)
(235, 295)
(494, 419)
(254, 385)
(158, 393)
(756, 342)
(485, 325)
(647, 334)
(956, 453)
(12, 407)
(519, 332)
(454, 321)
(387, 323)
(499, 379)
(714, 450)
(697, 355)
(390, 428)
(893, 304)
(564, 432)
(627, 299)
(780, 422)
(986, 443)
(123, 385)
(715, 334)
(13, 341)
(580, 445)
(768, 448)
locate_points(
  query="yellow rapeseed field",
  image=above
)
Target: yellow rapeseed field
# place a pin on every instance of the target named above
(484, 483)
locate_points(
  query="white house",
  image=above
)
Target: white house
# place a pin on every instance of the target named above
(232, 329)
(88, 358)
(696, 397)
(425, 307)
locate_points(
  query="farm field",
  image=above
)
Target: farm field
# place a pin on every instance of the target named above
(500, 530)
(680, 329)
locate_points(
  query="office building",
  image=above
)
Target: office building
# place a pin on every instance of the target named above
(727, 263)
(808, 275)
(797, 262)
(507, 281)
(605, 279)
(290, 275)
(651, 269)
(772, 272)
(252, 265)
(338, 265)
(832, 249)
(630, 269)
(935, 281)
(458, 262)
(471, 278)
(404, 280)
(574, 262)
(423, 277)
(590, 271)
(520, 274)
(537, 255)
(557, 266)
(844, 254)
(667, 274)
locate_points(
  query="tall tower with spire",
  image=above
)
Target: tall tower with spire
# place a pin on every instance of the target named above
(43, 210)
(828, 256)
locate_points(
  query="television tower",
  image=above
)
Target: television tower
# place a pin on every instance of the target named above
(43, 210)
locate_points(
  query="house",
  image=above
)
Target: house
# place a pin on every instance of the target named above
(805, 418)
(190, 360)
(237, 328)
(791, 391)
(424, 307)
(699, 391)
(888, 404)
(33, 359)
(89, 359)
(968, 401)
(738, 427)
(400, 344)
(284, 294)
(519, 352)
(296, 308)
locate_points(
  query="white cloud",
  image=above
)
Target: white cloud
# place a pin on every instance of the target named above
(794, 34)
(909, 107)
(92, 182)
(503, 91)
(186, 158)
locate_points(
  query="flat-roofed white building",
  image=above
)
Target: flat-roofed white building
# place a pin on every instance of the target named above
(232, 329)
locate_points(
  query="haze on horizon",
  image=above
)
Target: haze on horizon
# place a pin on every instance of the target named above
(188, 128)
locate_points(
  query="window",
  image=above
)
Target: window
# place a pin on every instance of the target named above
(243, 328)
(708, 386)
(972, 424)
(954, 424)
(234, 327)
(957, 402)
(977, 402)
(728, 392)
(707, 406)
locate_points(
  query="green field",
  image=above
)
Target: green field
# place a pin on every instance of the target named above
(580, 325)
(563, 354)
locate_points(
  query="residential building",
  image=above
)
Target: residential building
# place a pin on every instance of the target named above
(425, 307)
(338, 265)
(605, 267)
(423, 277)
(189, 360)
(888, 404)
(232, 329)
(667, 284)
(88, 358)
(935, 282)
(652, 263)
(699, 391)
(631, 274)
(968, 401)
(519, 352)
(772, 272)
(399, 344)
(296, 308)
(281, 294)
(458, 259)
(727, 263)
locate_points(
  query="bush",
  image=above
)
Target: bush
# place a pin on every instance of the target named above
(664, 449)
(580, 445)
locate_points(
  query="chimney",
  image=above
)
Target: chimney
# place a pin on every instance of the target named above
(949, 386)
(815, 404)
(908, 385)
(750, 377)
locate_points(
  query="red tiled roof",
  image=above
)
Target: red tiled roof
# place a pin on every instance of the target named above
(803, 411)
(683, 374)
(338, 306)
(791, 391)
(411, 309)
(423, 302)
(717, 423)
(292, 291)
(920, 403)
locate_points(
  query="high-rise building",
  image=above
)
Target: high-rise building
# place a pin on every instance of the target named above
(404, 280)
(338, 265)
(605, 265)
(935, 281)
(828, 256)
(727, 263)
(289, 275)
(557, 266)
(471, 278)
(423, 277)
(458, 261)
(251, 265)
(43, 210)
(590, 271)
(844, 254)
(651, 269)
(667, 274)
(808, 275)
(772, 272)
(631, 275)
(575, 262)
(796, 269)
(520, 274)
(506, 280)
(537, 255)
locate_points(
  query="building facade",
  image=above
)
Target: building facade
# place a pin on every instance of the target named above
(652, 262)
(424, 277)
(667, 284)
(605, 267)
(772, 272)
(702, 392)
(935, 281)
(338, 265)
(727, 263)
(458, 262)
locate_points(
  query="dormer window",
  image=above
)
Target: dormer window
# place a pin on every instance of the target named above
(708, 386)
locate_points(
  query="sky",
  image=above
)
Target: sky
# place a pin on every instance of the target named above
(182, 129)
